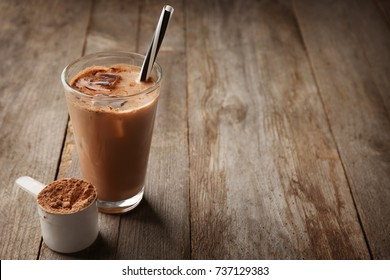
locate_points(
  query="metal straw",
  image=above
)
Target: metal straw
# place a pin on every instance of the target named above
(155, 45)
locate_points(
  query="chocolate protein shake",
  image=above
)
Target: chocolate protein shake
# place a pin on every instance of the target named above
(113, 117)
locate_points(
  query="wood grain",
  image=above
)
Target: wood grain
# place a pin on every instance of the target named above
(265, 179)
(271, 140)
(35, 45)
(160, 229)
(349, 45)
(103, 35)
(384, 7)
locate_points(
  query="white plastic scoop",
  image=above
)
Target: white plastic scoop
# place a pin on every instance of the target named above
(30, 185)
(64, 233)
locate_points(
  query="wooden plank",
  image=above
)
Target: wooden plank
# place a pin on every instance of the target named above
(384, 6)
(349, 43)
(160, 229)
(155, 229)
(174, 37)
(266, 180)
(113, 26)
(102, 35)
(35, 44)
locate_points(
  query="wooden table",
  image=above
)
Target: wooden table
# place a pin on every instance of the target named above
(272, 139)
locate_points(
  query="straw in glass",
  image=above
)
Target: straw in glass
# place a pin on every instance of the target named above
(155, 45)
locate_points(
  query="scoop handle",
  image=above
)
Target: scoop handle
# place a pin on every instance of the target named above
(30, 185)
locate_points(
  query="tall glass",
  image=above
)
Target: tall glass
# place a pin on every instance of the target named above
(113, 134)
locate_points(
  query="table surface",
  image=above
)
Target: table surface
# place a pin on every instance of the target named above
(272, 138)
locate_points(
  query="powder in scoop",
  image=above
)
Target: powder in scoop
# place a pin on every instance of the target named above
(66, 196)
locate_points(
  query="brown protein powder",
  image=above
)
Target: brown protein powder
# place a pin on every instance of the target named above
(66, 196)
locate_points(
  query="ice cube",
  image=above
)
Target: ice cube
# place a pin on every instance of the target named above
(102, 82)
(106, 79)
(109, 103)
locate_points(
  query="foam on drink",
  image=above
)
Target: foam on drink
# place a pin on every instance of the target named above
(117, 80)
